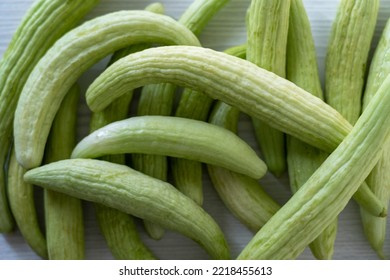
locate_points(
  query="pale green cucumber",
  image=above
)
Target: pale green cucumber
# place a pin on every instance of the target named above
(198, 14)
(253, 90)
(130, 191)
(64, 219)
(327, 192)
(24, 210)
(379, 178)
(347, 54)
(267, 29)
(175, 137)
(44, 22)
(242, 195)
(235, 81)
(159, 99)
(302, 159)
(70, 57)
(118, 228)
